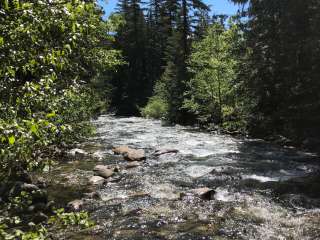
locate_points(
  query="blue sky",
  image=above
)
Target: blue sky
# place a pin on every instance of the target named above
(217, 6)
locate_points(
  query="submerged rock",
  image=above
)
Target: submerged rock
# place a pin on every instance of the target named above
(96, 180)
(40, 196)
(163, 191)
(98, 155)
(158, 153)
(38, 207)
(103, 171)
(93, 195)
(197, 171)
(39, 218)
(78, 152)
(133, 164)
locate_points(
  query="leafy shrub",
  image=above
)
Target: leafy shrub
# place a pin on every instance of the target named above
(156, 108)
(50, 53)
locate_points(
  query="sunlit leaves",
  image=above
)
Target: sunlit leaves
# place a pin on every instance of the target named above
(48, 51)
(11, 140)
(213, 65)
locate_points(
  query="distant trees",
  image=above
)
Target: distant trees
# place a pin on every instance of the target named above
(186, 64)
(152, 40)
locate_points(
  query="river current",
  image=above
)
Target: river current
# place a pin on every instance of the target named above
(259, 190)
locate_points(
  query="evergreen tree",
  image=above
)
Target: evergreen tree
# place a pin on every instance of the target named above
(178, 50)
(131, 82)
(282, 69)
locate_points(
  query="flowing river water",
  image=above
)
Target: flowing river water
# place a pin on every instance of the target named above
(259, 190)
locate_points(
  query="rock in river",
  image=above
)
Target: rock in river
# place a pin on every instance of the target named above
(76, 205)
(158, 153)
(103, 171)
(204, 193)
(121, 150)
(130, 154)
(135, 155)
(96, 180)
(77, 152)
(133, 164)
(29, 187)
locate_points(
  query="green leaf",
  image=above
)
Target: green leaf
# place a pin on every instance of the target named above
(6, 4)
(51, 115)
(11, 140)
(34, 129)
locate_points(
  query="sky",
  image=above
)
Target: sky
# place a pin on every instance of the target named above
(217, 6)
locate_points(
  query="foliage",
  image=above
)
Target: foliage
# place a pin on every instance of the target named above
(281, 71)
(52, 56)
(38, 232)
(155, 36)
(50, 51)
(12, 228)
(64, 219)
(213, 62)
(156, 108)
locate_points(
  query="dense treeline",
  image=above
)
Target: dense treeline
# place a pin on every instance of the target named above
(256, 72)
(281, 72)
(154, 37)
(53, 54)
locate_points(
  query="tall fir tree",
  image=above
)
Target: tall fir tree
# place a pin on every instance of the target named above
(282, 70)
(131, 82)
(178, 50)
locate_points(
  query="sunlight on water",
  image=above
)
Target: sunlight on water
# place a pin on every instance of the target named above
(259, 190)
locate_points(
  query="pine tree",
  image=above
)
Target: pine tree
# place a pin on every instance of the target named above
(178, 50)
(282, 69)
(131, 82)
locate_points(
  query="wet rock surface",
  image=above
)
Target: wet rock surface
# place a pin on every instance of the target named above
(76, 205)
(212, 187)
(97, 180)
(130, 154)
(133, 164)
(103, 171)
(158, 153)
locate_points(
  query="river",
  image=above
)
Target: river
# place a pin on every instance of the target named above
(259, 190)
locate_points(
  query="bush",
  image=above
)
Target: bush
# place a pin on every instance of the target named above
(156, 108)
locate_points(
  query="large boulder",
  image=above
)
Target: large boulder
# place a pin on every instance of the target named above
(103, 171)
(130, 154)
